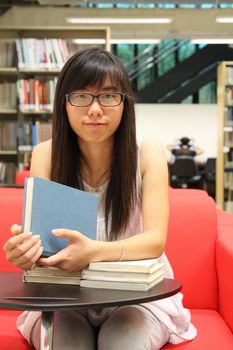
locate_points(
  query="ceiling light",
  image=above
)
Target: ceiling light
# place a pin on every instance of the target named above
(89, 41)
(135, 41)
(212, 41)
(116, 41)
(224, 19)
(82, 20)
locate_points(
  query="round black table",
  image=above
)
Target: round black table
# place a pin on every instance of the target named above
(16, 295)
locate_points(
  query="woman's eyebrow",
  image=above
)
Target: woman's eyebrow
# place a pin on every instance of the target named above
(105, 88)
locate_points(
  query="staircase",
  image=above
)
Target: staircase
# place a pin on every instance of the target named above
(185, 78)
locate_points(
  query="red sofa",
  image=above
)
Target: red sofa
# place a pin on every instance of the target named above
(20, 176)
(200, 249)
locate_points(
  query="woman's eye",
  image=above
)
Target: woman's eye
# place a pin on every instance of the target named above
(82, 96)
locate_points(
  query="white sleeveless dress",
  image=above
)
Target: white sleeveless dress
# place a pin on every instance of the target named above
(169, 311)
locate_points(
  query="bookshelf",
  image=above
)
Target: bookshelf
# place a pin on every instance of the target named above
(224, 181)
(27, 86)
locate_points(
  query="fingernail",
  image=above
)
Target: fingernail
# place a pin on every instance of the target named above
(36, 237)
(55, 232)
(13, 227)
(29, 234)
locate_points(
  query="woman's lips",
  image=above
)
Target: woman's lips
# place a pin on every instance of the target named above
(94, 125)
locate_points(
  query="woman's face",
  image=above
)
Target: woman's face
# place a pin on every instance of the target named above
(95, 123)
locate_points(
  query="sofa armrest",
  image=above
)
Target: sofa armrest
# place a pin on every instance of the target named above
(224, 262)
(224, 218)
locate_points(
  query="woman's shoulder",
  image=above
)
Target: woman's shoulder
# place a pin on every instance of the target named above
(41, 159)
(152, 152)
(150, 144)
(43, 146)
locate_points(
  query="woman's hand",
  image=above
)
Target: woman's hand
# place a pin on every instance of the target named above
(23, 249)
(76, 256)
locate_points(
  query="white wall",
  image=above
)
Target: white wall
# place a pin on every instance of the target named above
(167, 122)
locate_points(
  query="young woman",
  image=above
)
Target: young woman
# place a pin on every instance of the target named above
(94, 147)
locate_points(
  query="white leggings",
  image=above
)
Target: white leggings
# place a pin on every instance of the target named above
(129, 327)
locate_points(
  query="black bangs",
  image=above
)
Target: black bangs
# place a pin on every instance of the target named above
(93, 71)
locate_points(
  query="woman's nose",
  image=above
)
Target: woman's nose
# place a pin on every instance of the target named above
(95, 108)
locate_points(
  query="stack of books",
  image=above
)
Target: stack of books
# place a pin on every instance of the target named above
(140, 275)
(41, 274)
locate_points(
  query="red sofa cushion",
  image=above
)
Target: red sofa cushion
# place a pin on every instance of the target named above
(10, 338)
(20, 176)
(225, 274)
(196, 232)
(224, 218)
(11, 204)
(213, 333)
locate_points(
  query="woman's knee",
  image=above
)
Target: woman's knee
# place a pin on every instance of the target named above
(71, 331)
(131, 328)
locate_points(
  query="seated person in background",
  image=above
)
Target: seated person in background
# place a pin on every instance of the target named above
(184, 148)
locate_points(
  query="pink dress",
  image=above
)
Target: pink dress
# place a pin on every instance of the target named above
(169, 311)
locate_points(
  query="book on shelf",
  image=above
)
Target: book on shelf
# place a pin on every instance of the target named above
(49, 205)
(136, 286)
(51, 275)
(7, 53)
(229, 75)
(7, 172)
(8, 136)
(141, 266)
(8, 95)
(37, 94)
(43, 54)
(122, 276)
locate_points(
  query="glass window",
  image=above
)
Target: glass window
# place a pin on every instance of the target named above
(167, 6)
(166, 56)
(104, 6)
(187, 49)
(207, 6)
(125, 52)
(146, 6)
(207, 94)
(147, 76)
(187, 6)
(188, 100)
(125, 6)
(225, 6)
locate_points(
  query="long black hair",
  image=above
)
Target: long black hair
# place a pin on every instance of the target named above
(89, 68)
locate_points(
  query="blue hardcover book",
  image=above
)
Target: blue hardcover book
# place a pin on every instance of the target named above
(49, 205)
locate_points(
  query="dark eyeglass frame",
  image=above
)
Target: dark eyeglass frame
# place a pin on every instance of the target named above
(122, 98)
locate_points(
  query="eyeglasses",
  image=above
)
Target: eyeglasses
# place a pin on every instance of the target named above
(106, 100)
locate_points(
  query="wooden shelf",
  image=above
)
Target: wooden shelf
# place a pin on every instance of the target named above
(8, 70)
(30, 117)
(65, 32)
(35, 71)
(224, 129)
(6, 153)
(32, 112)
(8, 111)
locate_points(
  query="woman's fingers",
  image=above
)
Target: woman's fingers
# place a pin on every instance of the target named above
(25, 246)
(23, 250)
(14, 241)
(53, 260)
(16, 229)
(28, 260)
(71, 235)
